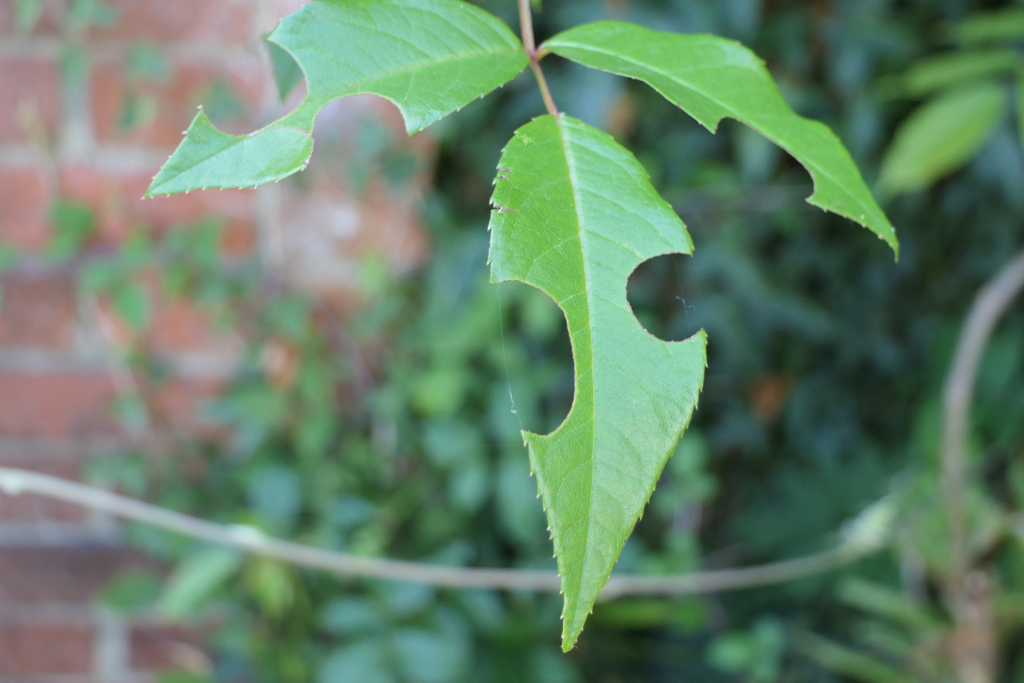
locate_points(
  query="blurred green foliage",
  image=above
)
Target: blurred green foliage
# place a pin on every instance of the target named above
(395, 431)
(969, 90)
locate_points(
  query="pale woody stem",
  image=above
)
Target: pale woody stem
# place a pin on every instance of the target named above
(252, 541)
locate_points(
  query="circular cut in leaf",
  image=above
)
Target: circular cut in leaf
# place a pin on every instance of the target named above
(659, 299)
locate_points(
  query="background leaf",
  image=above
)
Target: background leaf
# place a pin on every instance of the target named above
(941, 136)
(987, 26)
(575, 214)
(712, 78)
(73, 225)
(956, 68)
(1020, 106)
(196, 579)
(27, 14)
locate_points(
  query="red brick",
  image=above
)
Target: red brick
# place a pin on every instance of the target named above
(221, 22)
(155, 648)
(63, 575)
(116, 198)
(45, 26)
(55, 405)
(31, 508)
(7, 17)
(326, 227)
(24, 221)
(181, 403)
(37, 312)
(177, 101)
(180, 327)
(45, 648)
(31, 98)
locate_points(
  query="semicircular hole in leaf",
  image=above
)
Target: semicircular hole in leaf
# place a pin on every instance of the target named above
(658, 295)
(538, 355)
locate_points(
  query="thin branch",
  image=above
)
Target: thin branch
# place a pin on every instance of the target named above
(526, 27)
(972, 649)
(989, 306)
(721, 580)
(250, 540)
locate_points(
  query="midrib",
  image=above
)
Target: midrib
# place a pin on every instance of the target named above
(573, 181)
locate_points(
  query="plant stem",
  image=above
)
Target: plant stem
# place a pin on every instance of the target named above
(530, 43)
(251, 540)
(526, 28)
(989, 306)
(967, 591)
(543, 84)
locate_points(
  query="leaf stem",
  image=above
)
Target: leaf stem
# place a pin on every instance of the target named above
(526, 27)
(530, 43)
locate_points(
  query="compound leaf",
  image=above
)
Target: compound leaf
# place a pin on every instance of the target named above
(712, 78)
(941, 135)
(429, 57)
(574, 215)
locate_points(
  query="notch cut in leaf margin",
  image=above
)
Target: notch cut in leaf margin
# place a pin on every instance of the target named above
(575, 215)
(712, 78)
(429, 57)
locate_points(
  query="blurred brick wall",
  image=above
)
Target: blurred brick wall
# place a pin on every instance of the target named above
(59, 137)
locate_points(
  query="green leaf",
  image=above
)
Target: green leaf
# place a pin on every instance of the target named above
(988, 26)
(941, 136)
(8, 257)
(363, 660)
(887, 603)
(426, 657)
(137, 111)
(73, 225)
(131, 591)
(758, 653)
(195, 579)
(429, 57)
(133, 304)
(74, 64)
(27, 14)
(272, 584)
(846, 661)
(209, 158)
(181, 677)
(275, 494)
(287, 72)
(1020, 106)
(148, 62)
(352, 616)
(711, 78)
(953, 69)
(574, 215)
(84, 13)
